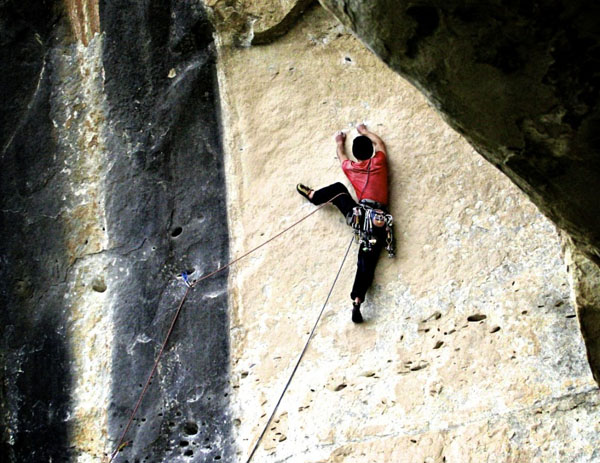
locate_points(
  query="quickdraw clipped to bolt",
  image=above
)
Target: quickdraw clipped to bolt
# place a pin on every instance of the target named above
(186, 279)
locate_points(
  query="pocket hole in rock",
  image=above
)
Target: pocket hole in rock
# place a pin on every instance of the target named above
(99, 285)
(476, 317)
(434, 316)
(190, 428)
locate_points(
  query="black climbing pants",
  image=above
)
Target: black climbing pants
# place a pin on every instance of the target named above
(367, 260)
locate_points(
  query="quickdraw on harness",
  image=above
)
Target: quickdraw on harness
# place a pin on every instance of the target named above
(368, 216)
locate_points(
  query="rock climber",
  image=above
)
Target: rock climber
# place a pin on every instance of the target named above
(369, 216)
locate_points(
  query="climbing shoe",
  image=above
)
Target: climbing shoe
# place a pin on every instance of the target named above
(303, 190)
(356, 315)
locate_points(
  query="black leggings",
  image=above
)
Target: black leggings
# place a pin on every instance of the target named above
(367, 260)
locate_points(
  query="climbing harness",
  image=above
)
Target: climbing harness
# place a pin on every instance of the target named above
(189, 287)
(367, 217)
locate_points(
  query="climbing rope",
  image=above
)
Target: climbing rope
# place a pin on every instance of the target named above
(121, 443)
(143, 393)
(262, 434)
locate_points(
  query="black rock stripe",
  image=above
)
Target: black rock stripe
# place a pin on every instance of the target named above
(166, 213)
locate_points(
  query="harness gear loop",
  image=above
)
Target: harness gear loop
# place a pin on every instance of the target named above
(367, 216)
(355, 220)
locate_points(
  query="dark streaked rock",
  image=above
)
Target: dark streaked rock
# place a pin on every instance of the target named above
(166, 212)
(164, 173)
(34, 352)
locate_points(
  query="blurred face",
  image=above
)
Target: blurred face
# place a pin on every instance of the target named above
(362, 148)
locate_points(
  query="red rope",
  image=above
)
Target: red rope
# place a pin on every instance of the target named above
(143, 393)
(266, 242)
(178, 311)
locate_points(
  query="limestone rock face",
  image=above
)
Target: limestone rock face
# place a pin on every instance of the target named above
(138, 141)
(585, 285)
(166, 208)
(34, 354)
(255, 22)
(111, 184)
(519, 81)
(471, 349)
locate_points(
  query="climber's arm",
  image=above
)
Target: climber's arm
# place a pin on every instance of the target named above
(378, 144)
(340, 139)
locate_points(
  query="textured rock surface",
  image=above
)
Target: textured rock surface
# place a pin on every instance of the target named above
(519, 80)
(112, 183)
(254, 22)
(166, 206)
(585, 284)
(35, 355)
(471, 351)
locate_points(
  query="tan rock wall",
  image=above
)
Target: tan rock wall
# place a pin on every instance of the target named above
(417, 381)
(84, 16)
(79, 120)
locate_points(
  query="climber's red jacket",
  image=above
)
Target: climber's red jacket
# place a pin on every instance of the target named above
(377, 173)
